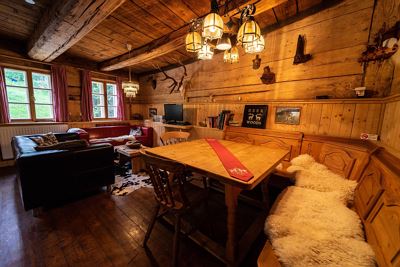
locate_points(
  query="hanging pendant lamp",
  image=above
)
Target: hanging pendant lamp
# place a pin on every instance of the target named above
(193, 39)
(213, 25)
(130, 88)
(249, 31)
(255, 47)
(206, 52)
(224, 43)
(231, 55)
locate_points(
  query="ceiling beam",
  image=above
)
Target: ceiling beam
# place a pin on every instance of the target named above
(65, 23)
(174, 40)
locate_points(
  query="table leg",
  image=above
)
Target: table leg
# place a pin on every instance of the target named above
(231, 202)
(137, 164)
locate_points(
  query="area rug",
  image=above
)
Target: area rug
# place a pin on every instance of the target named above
(126, 184)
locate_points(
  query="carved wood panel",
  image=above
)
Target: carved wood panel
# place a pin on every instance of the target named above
(337, 160)
(238, 137)
(368, 190)
(383, 229)
(280, 143)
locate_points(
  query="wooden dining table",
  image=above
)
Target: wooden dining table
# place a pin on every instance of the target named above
(199, 157)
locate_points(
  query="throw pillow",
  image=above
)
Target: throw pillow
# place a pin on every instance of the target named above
(38, 140)
(49, 139)
(136, 131)
(67, 145)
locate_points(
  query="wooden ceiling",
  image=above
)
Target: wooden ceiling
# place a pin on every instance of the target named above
(138, 22)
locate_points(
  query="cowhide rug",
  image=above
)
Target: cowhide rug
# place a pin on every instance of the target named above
(126, 184)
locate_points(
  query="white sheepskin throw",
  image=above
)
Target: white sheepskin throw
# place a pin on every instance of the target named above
(320, 249)
(312, 228)
(313, 175)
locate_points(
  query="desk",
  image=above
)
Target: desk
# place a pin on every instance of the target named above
(200, 157)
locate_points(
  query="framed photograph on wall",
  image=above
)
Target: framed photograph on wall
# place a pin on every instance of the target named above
(152, 112)
(287, 115)
(255, 116)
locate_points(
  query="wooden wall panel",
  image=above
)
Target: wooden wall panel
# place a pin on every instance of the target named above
(334, 70)
(390, 133)
(334, 118)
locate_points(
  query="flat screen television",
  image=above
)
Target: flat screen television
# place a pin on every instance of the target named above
(173, 113)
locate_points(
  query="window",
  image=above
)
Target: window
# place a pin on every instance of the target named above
(29, 95)
(102, 91)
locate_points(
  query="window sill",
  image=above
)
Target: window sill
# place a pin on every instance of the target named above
(31, 123)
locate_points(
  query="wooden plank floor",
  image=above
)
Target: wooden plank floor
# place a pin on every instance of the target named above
(99, 230)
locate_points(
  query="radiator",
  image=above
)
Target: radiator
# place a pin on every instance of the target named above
(7, 133)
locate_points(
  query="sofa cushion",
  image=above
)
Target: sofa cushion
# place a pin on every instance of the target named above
(45, 139)
(137, 131)
(66, 145)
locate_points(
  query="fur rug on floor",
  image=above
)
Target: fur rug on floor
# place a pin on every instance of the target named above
(130, 182)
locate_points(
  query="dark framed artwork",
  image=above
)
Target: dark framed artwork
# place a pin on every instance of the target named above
(255, 116)
(152, 112)
(288, 115)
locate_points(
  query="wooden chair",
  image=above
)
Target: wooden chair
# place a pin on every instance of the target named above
(174, 137)
(170, 188)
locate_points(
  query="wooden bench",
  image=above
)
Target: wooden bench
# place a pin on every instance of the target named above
(377, 196)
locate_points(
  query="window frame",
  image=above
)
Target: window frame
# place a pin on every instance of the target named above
(104, 82)
(31, 93)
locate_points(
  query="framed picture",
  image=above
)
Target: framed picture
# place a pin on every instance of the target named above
(255, 116)
(152, 112)
(287, 115)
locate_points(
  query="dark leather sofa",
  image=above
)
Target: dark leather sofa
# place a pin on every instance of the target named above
(48, 177)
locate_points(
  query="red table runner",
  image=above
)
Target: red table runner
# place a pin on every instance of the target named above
(233, 166)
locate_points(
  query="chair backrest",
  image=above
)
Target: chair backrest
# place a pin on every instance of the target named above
(167, 178)
(174, 137)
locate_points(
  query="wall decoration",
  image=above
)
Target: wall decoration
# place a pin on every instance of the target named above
(268, 76)
(300, 57)
(255, 116)
(256, 62)
(175, 85)
(386, 44)
(152, 112)
(287, 115)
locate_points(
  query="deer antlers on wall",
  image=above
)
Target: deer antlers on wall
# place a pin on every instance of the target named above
(175, 85)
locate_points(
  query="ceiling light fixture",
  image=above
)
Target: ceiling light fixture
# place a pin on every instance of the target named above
(130, 88)
(206, 52)
(213, 25)
(224, 43)
(231, 55)
(255, 47)
(249, 30)
(31, 2)
(193, 38)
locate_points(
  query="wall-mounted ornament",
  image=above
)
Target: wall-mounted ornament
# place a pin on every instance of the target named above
(300, 57)
(256, 62)
(268, 76)
(175, 85)
(153, 82)
(386, 44)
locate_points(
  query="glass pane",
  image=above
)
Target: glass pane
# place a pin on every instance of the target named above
(17, 94)
(97, 88)
(42, 96)
(99, 112)
(112, 112)
(19, 111)
(112, 100)
(98, 100)
(41, 80)
(15, 77)
(44, 111)
(111, 89)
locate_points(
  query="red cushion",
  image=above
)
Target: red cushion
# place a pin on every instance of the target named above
(107, 131)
